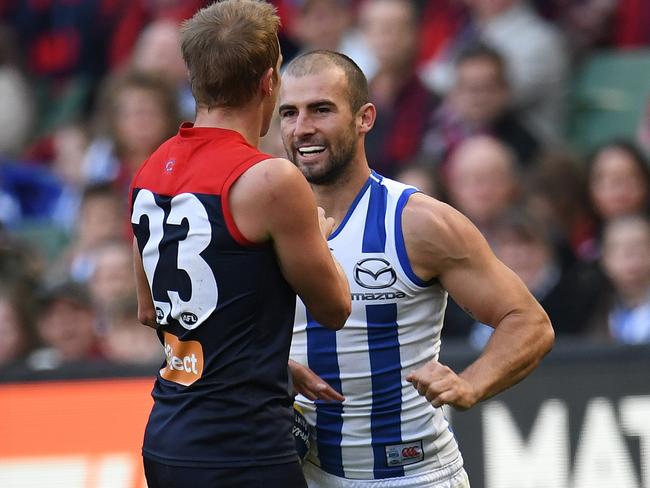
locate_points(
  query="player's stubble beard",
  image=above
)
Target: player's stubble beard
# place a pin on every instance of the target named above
(341, 153)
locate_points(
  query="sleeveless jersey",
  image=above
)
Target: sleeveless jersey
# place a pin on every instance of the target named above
(384, 428)
(224, 310)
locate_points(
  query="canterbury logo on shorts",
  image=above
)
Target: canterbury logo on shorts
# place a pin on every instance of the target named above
(184, 360)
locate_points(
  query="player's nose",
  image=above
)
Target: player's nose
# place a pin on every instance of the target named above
(304, 126)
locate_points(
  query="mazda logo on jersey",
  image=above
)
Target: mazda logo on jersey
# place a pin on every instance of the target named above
(374, 273)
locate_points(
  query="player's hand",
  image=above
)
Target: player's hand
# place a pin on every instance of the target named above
(309, 384)
(326, 223)
(441, 386)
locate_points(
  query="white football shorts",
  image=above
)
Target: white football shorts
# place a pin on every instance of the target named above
(451, 476)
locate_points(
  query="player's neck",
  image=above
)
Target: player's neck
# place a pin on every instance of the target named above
(337, 198)
(246, 121)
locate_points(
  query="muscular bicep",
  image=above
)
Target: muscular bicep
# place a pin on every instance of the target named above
(445, 245)
(483, 286)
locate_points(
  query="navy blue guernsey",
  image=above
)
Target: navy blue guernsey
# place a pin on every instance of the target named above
(224, 311)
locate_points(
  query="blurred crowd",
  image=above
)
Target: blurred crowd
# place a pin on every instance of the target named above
(475, 107)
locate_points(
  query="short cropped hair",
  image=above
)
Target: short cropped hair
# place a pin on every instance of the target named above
(227, 48)
(481, 51)
(314, 62)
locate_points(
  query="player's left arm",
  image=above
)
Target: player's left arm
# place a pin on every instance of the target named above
(441, 243)
(146, 310)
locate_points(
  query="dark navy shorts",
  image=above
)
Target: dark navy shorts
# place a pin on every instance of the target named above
(161, 475)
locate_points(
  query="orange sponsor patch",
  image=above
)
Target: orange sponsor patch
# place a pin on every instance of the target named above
(184, 360)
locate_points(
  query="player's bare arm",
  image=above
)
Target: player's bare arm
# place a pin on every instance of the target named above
(273, 201)
(146, 310)
(441, 243)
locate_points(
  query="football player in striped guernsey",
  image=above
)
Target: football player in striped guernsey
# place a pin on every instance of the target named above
(373, 391)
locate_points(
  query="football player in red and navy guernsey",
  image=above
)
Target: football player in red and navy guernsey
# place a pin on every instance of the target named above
(225, 236)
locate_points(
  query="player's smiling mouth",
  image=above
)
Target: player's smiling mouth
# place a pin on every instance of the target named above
(309, 150)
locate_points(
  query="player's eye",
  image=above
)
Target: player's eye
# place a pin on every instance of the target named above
(287, 113)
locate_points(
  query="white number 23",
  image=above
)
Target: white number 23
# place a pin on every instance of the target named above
(203, 298)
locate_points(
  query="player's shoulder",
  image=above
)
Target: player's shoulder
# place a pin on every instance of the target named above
(436, 226)
(274, 185)
(424, 211)
(270, 192)
(273, 175)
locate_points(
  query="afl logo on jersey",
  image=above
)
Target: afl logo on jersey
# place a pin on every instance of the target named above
(374, 273)
(189, 318)
(160, 315)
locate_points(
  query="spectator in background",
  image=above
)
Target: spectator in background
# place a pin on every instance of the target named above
(618, 178)
(70, 143)
(404, 105)
(421, 177)
(140, 111)
(66, 324)
(17, 114)
(102, 218)
(125, 341)
(556, 194)
(158, 53)
(48, 189)
(17, 333)
(441, 22)
(483, 181)
(65, 48)
(535, 53)
(537, 60)
(624, 315)
(137, 15)
(478, 103)
(568, 297)
(587, 24)
(328, 24)
(112, 279)
(18, 265)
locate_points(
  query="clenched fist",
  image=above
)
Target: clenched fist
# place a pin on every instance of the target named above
(441, 386)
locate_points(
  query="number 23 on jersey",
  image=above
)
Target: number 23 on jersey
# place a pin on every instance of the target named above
(165, 232)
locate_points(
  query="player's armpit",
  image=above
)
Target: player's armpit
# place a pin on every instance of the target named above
(146, 309)
(272, 200)
(442, 243)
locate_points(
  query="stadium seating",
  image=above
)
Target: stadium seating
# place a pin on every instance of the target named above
(608, 96)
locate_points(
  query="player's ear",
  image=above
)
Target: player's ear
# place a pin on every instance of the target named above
(268, 82)
(366, 117)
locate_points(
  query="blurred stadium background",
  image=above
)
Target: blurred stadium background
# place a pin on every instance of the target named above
(530, 116)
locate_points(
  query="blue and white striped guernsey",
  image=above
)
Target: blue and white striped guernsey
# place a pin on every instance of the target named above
(384, 429)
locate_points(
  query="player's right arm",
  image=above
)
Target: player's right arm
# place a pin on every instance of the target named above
(273, 201)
